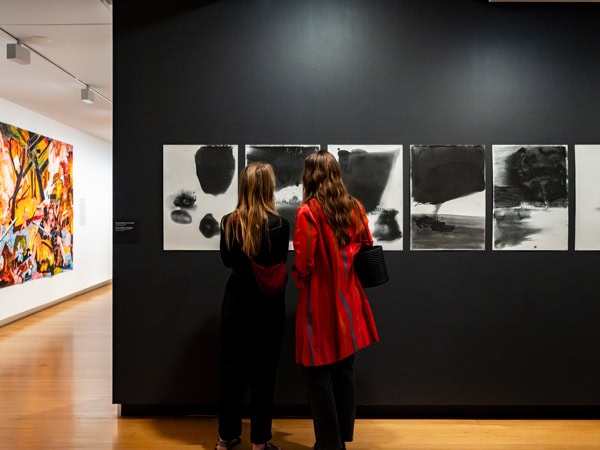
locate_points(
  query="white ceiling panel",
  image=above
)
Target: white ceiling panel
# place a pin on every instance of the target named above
(81, 34)
(42, 12)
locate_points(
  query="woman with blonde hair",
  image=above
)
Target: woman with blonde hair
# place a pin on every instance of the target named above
(251, 321)
(333, 319)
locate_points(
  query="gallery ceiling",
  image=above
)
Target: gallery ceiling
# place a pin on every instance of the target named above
(80, 53)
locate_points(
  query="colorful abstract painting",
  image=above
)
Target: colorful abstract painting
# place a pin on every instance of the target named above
(36, 203)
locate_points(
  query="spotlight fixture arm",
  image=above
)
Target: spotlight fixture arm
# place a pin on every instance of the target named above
(82, 83)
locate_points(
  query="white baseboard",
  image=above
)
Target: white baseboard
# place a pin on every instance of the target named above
(31, 311)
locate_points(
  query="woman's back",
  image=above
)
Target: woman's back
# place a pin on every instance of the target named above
(273, 246)
(334, 319)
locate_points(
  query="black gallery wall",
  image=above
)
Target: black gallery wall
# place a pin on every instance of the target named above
(479, 332)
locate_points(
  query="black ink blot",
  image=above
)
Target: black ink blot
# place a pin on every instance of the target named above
(215, 167)
(366, 175)
(537, 175)
(209, 227)
(442, 173)
(181, 216)
(287, 161)
(432, 223)
(185, 199)
(387, 227)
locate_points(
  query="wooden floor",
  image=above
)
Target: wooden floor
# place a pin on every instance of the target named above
(55, 393)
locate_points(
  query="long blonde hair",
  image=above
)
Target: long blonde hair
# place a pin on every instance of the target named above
(248, 223)
(322, 180)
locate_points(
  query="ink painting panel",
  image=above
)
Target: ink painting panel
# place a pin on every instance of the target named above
(373, 174)
(36, 206)
(447, 197)
(288, 164)
(199, 188)
(530, 200)
(587, 187)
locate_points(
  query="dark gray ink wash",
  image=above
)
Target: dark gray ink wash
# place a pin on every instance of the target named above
(209, 227)
(215, 168)
(181, 216)
(185, 199)
(441, 173)
(386, 226)
(431, 222)
(288, 164)
(287, 161)
(366, 174)
(511, 227)
(448, 232)
(534, 175)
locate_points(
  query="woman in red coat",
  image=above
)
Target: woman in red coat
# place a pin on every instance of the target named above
(333, 319)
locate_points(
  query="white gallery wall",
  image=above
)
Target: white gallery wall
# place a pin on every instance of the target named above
(92, 212)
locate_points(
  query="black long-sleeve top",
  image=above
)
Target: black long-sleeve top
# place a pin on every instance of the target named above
(278, 235)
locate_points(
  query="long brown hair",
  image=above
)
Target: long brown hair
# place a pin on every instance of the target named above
(249, 221)
(322, 180)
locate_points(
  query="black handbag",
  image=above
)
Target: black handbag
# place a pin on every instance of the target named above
(370, 267)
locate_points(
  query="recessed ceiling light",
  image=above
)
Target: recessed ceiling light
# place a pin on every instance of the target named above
(40, 40)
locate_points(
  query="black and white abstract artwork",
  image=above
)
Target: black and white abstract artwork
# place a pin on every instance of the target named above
(199, 188)
(587, 189)
(447, 197)
(373, 174)
(288, 164)
(530, 197)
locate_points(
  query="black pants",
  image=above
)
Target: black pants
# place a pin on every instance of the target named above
(251, 333)
(332, 398)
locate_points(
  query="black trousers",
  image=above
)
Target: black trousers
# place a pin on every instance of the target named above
(251, 332)
(332, 398)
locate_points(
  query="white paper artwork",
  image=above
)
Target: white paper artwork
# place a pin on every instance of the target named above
(530, 197)
(447, 197)
(288, 164)
(199, 188)
(373, 174)
(587, 189)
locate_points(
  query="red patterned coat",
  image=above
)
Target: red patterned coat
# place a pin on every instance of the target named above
(334, 318)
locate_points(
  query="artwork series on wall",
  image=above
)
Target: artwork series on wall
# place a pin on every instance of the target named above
(587, 188)
(447, 197)
(447, 182)
(199, 188)
(36, 203)
(530, 197)
(373, 174)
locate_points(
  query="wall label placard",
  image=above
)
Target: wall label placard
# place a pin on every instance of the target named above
(126, 231)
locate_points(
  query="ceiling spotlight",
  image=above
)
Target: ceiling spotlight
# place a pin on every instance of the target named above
(87, 95)
(18, 53)
(39, 40)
